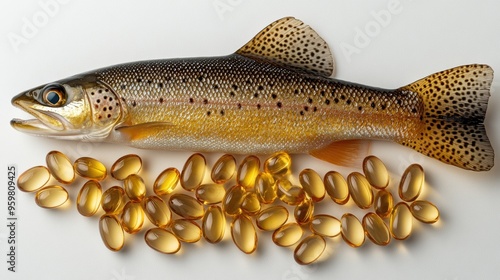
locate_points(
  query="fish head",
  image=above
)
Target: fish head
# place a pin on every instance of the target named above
(77, 108)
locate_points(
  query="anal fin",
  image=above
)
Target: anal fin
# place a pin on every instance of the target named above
(349, 153)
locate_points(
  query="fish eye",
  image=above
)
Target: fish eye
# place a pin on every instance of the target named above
(53, 96)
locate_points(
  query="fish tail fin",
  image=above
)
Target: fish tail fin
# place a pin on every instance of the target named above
(455, 103)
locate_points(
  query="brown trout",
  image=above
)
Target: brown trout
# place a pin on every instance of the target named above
(273, 94)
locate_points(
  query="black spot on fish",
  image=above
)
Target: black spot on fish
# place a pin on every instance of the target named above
(100, 91)
(274, 96)
(149, 82)
(105, 97)
(222, 112)
(160, 85)
(98, 101)
(123, 86)
(327, 102)
(191, 100)
(260, 87)
(105, 109)
(134, 103)
(110, 108)
(333, 92)
(161, 100)
(315, 109)
(239, 105)
(139, 80)
(92, 93)
(258, 106)
(342, 97)
(414, 110)
(232, 94)
(336, 100)
(208, 113)
(109, 116)
(310, 101)
(279, 104)
(216, 86)
(301, 113)
(110, 99)
(383, 106)
(306, 108)
(256, 95)
(106, 90)
(296, 91)
(348, 101)
(184, 80)
(205, 101)
(322, 93)
(373, 104)
(248, 81)
(200, 78)
(360, 108)
(235, 87)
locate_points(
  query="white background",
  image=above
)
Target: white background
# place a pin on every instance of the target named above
(421, 38)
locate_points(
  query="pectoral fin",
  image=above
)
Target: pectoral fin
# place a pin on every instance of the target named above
(344, 153)
(143, 130)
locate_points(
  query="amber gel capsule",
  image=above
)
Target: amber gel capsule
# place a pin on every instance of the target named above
(325, 225)
(113, 200)
(312, 184)
(336, 187)
(223, 169)
(244, 234)
(360, 190)
(383, 203)
(193, 172)
(111, 232)
(233, 200)
(375, 171)
(33, 179)
(411, 183)
(248, 171)
(210, 193)
(134, 187)
(51, 196)
(132, 217)
(186, 230)
(265, 187)
(352, 230)
(162, 241)
(424, 211)
(376, 230)
(186, 206)
(278, 164)
(157, 211)
(401, 221)
(309, 249)
(272, 218)
(89, 198)
(291, 195)
(288, 235)
(213, 224)
(126, 166)
(251, 204)
(304, 212)
(90, 168)
(166, 181)
(60, 167)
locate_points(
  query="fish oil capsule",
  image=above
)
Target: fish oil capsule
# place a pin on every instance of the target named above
(186, 230)
(210, 193)
(186, 206)
(33, 179)
(424, 211)
(126, 166)
(60, 167)
(278, 164)
(89, 198)
(223, 169)
(162, 241)
(272, 218)
(288, 235)
(309, 249)
(233, 200)
(375, 172)
(352, 230)
(113, 200)
(325, 225)
(193, 172)
(213, 224)
(401, 221)
(336, 187)
(376, 230)
(303, 212)
(411, 182)
(360, 190)
(291, 195)
(134, 187)
(166, 182)
(383, 203)
(132, 217)
(90, 168)
(51, 196)
(312, 184)
(265, 187)
(248, 171)
(244, 234)
(111, 232)
(157, 211)
(251, 204)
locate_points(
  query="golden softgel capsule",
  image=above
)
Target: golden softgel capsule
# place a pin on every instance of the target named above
(265, 187)
(210, 193)
(126, 166)
(336, 187)
(60, 167)
(111, 232)
(113, 200)
(375, 171)
(166, 182)
(360, 190)
(232, 201)
(411, 182)
(186, 206)
(244, 234)
(51, 196)
(309, 249)
(303, 212)
(383, 203)
(272, 218)
(132, 217)
(376, 230)
(223, 169)
(162, 241)
(352, 230)
(288, 235)
(325, 225)
(193, 172)
(424, 211)
(248, 171)
(90, 168)
(278, 164)
(33, 179)
(186, 230)
(312, 184)
(401, 221)
(89, 198)
(213, 224)
(134, 187)
(157, 211)
(251, 204)
(289, 194)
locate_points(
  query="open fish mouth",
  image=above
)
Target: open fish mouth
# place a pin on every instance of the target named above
(45, 123)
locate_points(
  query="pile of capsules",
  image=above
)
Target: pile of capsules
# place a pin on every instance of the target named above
(252, 201)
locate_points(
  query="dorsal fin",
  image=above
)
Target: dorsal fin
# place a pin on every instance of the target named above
(291, 43)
